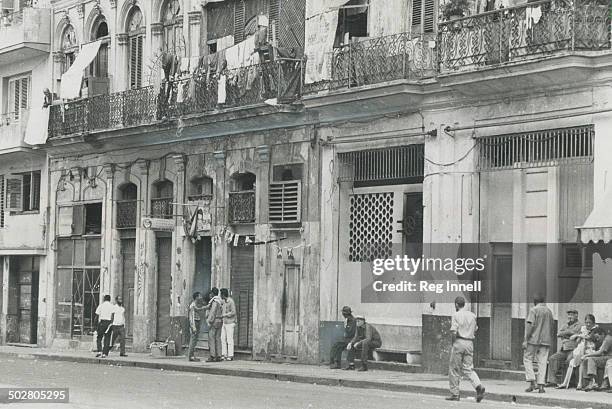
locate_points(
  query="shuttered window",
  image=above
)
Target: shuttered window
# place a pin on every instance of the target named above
(285, 202)
(239, 21)
(1, 200)
(136, 43)
(423, 16)
(275, 8)
(23, 192)
(19, 96)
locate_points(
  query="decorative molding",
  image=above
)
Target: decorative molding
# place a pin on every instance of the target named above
(58, 57)
(143, 166)
(122, 38)
(81, 10)
(65, 19)
(109, 170)
(194, 17)
(219, 158)
(97, 9)
(113, 4)
(263, 153)
(179, 161)
(157, 29)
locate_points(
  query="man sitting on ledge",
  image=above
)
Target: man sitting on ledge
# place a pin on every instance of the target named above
(366, 339)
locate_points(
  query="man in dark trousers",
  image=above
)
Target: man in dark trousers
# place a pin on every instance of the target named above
(538, 339)
(194, 324)
(567, 346)
(105, 313)
(335, 356)
(215, 324)
(463, 330)
(366, 339)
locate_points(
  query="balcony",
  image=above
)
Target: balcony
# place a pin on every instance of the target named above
(247, 86)
(12, 131)
(162, 208)
(526, 32)
(127, 211)
(242, 207)
(25, 34)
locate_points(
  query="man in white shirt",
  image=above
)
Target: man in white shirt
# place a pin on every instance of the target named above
(105, 317)
(118, 326)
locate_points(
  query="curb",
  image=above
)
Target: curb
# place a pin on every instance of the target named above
(521, 398)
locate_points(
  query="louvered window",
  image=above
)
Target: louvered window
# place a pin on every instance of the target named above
(397, 165)
(423, 16)
(1, 200)
(19, 98)
(274, 14)
(239, 21)
(23, 192)
(285, 201)
(136, 43)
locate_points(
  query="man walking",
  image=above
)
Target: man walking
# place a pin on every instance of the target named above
(194, 324)
(538, 339)
(335, 356)
(215, 324)
(463, 330)
(229, 322)
(567, 347)
(105, 317)
(118, 325)
(366, 339)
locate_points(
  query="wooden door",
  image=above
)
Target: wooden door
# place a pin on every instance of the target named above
(164, 284)
(242, 284)
(28, 306)
(128, 258)
(291, 310)
(501, 320)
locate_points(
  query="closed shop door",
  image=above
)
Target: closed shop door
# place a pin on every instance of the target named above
(291, 310)
(128, 257)
(164, 283)
(242, 279)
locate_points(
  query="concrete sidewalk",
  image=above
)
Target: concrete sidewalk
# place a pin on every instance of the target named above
(433, 384)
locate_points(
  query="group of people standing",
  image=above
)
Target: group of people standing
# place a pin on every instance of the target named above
(219, 311)
(111, 324)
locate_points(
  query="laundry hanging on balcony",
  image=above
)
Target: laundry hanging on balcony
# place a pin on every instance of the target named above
(37, 128)
(598, 226)
(321, 25)
(72, 79)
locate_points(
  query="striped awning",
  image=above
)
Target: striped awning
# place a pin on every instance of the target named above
(598, 226)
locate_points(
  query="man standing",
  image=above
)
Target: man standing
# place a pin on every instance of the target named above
(215, 324)
(194, 325)
(538, 339)
(598, 359)
(229, 322)
(463, 331)
(105, 316)
(567, 346)
(335, 356)
(118, 325)
(366, 338)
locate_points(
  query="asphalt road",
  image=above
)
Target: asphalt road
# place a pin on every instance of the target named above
(110, 387)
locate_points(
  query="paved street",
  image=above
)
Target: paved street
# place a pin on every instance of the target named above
(96, 386)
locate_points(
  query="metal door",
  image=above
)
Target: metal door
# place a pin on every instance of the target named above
(242, 279)
(164, 284)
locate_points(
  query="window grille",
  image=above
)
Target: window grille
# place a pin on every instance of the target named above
(370, 227)
(390, 164)
(285, 201)
(539, 148)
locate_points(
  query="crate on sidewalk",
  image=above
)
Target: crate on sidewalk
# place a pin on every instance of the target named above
(159, 349)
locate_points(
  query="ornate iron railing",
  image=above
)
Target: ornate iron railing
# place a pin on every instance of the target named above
(281, 79)
(162, 208)
(522, 32)
(242, 207)
(127, 211)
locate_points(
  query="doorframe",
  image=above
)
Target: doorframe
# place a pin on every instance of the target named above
(298, 329)
(503, 249)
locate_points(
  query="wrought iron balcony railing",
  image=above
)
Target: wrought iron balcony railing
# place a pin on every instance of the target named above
(127, 211)
(281, 79)
(242, 207)
(519, 33)
(162, 208)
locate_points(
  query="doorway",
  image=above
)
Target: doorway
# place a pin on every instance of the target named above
(164, 286)
(128, 264)
(202, 276)
(24, 282)
(501, 311)
(242, 284)
(291, 310)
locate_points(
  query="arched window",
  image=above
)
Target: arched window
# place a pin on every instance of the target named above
(201, 188)
(127, 206)
(241, 207)
(68, 47)
(161, 202)
(99, 68)
(136, 32)
(173, 28)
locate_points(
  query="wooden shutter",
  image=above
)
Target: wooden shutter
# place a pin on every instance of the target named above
(417, 11)
(429, 16)
(239, 16)
(1, 200)
(423, 16)
(285, 202)
(136, 44)
(35, 191)
(14, 186)
(78, 220)
(274, 17)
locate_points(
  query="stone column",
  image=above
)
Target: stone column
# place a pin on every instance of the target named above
(195, 18)
(108, 279)
(121, 62)
(180, 300)
(219, 251)
(5, 296)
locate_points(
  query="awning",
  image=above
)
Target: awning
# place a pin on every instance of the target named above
(72, 79)
(598, 226)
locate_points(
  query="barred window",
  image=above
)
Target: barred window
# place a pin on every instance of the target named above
(371, 226)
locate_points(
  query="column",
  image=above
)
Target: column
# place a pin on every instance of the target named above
(120, 68)
(194, 19)
(219, 252)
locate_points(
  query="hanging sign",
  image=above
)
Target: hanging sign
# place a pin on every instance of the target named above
(151, 223)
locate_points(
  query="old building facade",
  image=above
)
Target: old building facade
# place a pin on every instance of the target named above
(192, 145)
